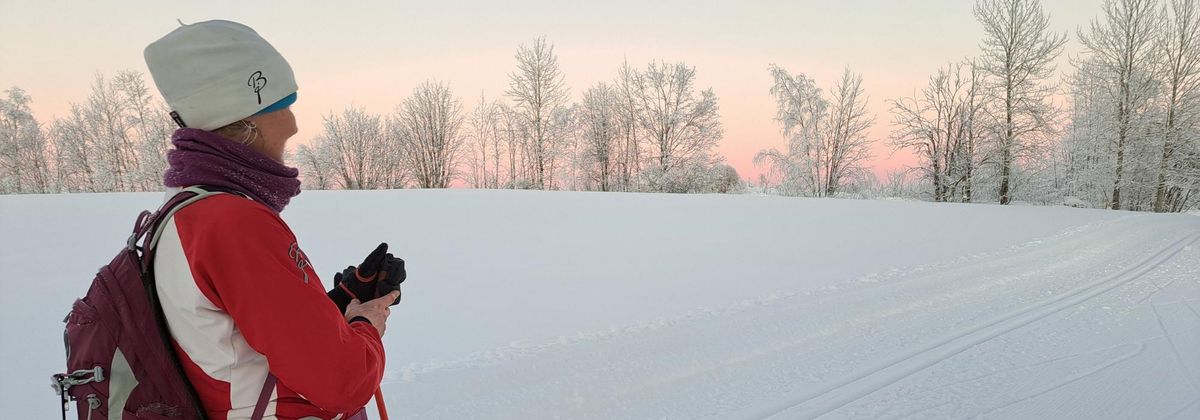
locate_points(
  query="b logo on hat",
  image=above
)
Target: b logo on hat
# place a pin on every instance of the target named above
(258, 82)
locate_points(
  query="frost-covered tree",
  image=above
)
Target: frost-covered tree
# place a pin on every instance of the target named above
(1179, 160)
(538, 91)
(429, 122)
(76, 167)
(1085, 150)
(483, 157)
(600, 130)
(904, 183)
(846, 128)
(827, 136)
(561, 127)
(316, 168)
(353, 151)
(513, 133)
(1019, 50)
(681, 125)
(24, 159)
(976, 125)
(724, 179)
(151, 126)
(629, 151)
(105, 114)
(800, 108)
(114, 141)
(942, 125)
(1119, 48)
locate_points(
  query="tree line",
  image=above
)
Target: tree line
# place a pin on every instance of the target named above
(648, 129)
(114, 141)
(1118, 129)
(987, 128)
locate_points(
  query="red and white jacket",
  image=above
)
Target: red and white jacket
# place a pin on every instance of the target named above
(241, 299)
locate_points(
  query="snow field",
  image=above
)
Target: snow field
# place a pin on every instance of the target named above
(590, 305)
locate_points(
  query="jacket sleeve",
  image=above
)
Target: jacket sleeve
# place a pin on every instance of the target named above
(254, 265)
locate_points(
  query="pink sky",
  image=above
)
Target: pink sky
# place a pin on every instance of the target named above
(372, 54)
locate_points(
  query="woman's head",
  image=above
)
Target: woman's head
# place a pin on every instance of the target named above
(267, 133)
(223, 77)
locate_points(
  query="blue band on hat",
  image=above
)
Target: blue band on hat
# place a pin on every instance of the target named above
(278, 105)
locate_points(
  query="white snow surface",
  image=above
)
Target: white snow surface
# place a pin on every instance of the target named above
(602, 306)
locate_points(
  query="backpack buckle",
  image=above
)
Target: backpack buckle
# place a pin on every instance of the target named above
(62, 382)
(139, 228)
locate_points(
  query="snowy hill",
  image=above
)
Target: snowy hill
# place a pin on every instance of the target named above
(590, 305)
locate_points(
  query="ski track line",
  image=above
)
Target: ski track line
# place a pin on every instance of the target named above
(1070, 379)
(886, 276)
(1174, 349)
(1013, 369)
(1139, 345)
(1157, 289)
(954, 402)
(1190, 308)
(1176, 414)
(855, 386)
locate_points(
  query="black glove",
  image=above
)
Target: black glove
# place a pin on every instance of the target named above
(361, 282)
(391, 274)
(340, 294)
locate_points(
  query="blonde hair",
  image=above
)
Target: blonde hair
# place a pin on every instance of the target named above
(242, 131)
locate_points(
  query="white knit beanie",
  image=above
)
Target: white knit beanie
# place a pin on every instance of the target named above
(216, 72)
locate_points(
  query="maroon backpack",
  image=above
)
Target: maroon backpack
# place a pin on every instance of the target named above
(120, 360)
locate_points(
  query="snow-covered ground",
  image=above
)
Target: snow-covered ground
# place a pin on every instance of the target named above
(589, 305)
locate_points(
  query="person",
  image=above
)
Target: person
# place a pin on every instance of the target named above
(248, 316)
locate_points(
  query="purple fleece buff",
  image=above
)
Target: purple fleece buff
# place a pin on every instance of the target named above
(204, 158)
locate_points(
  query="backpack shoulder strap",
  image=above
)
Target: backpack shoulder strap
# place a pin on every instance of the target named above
(264, 398)
(149, 226)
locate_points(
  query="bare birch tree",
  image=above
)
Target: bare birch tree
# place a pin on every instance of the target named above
(151, 129)
(827, 142)
(600, 132)
(115, 140)
(1119, 46)
(316, 168)
(482, 159)
(1018, 53)
(1180, 73)
(846, 128)
(430, 122)
(512, 132)
(24, 159)
(1085, 149)
(105, 113)
(800, 108)
(353, 151)
(629, 113)
(682, 125)
(76, 167)
(942, 125)
(538, 90)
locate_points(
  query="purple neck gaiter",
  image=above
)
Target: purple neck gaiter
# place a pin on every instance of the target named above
(205, 158)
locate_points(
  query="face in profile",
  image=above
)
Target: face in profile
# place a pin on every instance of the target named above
(276, 128)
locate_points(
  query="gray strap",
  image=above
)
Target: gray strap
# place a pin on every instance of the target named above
(200, 195)
(264, 398)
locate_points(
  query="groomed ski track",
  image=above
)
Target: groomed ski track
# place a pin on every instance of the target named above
(873, 379)
(837, 352)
